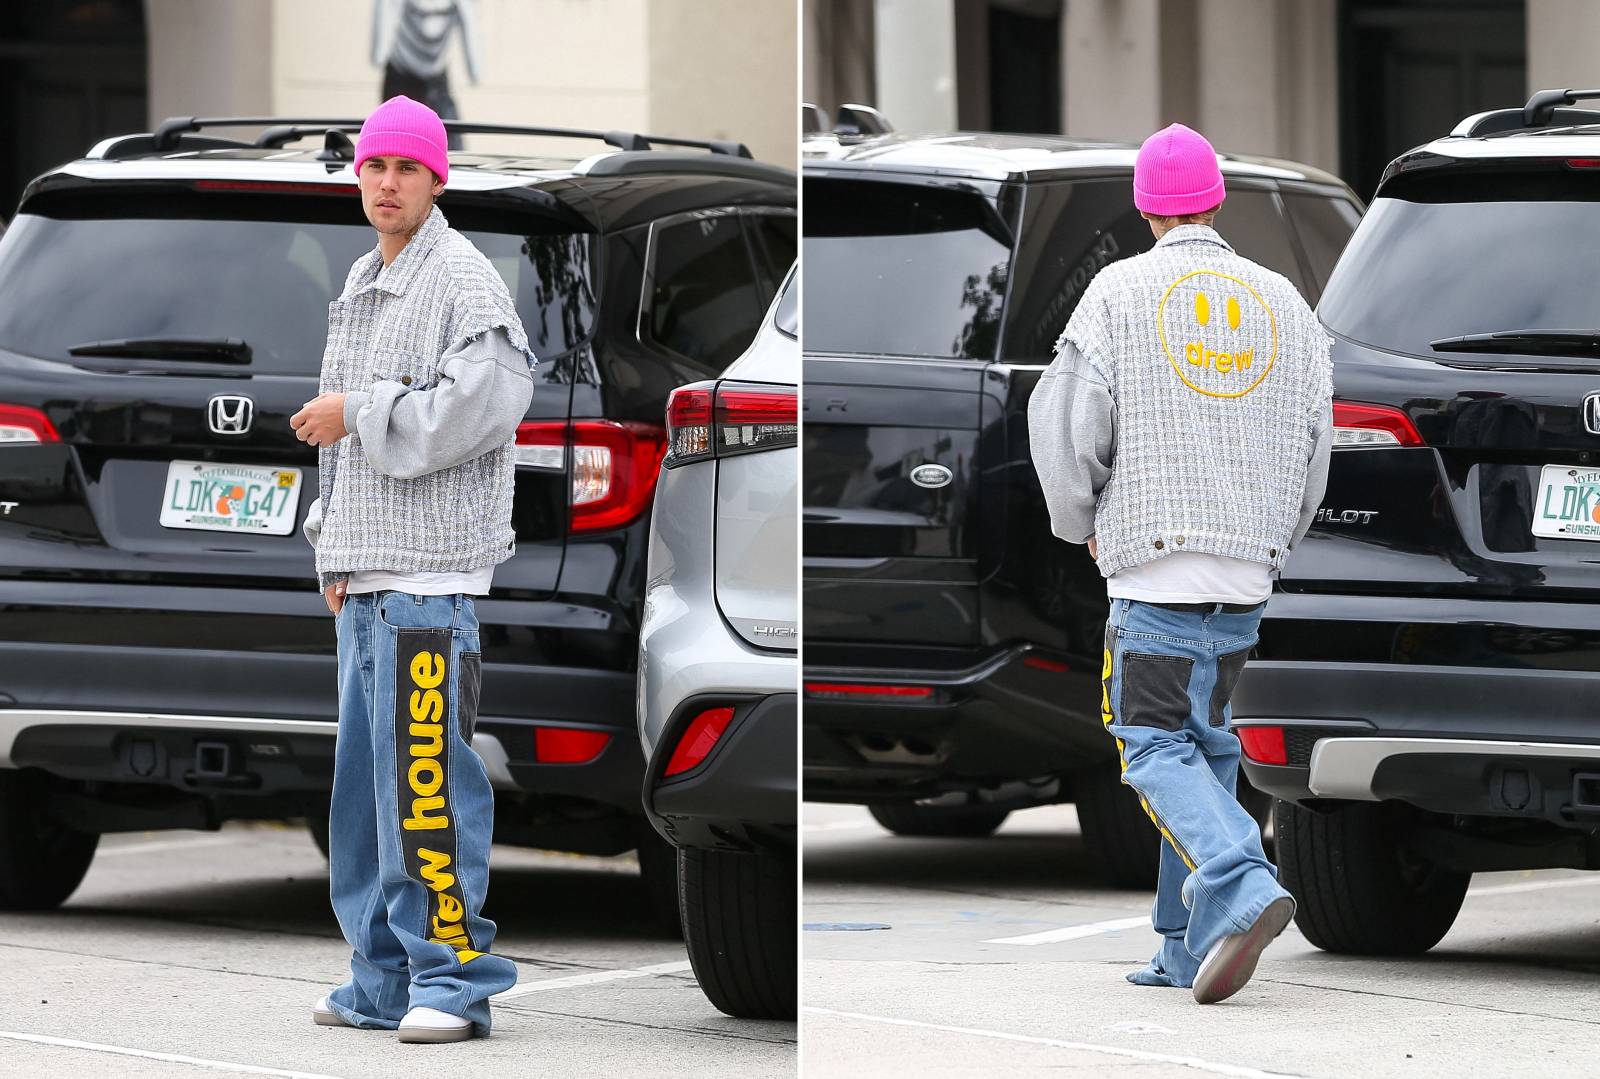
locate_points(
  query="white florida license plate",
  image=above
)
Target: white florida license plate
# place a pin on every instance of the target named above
(1568, 504)
(230, 498)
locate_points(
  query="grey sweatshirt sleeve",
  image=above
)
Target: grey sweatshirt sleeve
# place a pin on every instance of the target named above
(1316, 472)
(1072, 432)
(484, 390)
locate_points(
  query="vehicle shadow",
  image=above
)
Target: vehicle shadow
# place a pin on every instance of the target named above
(595, 900)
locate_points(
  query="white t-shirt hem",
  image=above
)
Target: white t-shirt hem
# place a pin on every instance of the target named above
(470, 582)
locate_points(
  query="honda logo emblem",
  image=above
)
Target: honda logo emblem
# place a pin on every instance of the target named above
(229, 414)
(1591, 413)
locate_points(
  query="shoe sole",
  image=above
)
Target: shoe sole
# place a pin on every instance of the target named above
(327, 1019)
(434, 1035)
(1226, 970)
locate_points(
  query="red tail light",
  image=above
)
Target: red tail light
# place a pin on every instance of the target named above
(614, 466)
(698, 739)
(1263, 745)
(852, 689)
(22, 425)
(568, 745)
(706, 420)
(1357, 424)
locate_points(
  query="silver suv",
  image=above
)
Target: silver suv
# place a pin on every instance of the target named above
(717, 668)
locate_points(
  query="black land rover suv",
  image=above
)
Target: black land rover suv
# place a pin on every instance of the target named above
(163, 308)
(952, 644)
(1427, 689)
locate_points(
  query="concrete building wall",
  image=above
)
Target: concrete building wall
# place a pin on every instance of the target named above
(699, 68)
(916, 63)
(207, 58)
(1563, 45)
(727, 69)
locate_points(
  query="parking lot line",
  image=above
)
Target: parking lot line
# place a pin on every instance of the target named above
(1110, 1050)
(1073, 932)
(592, 978)
(175, 1058)
(1536, 886)
(163, 844)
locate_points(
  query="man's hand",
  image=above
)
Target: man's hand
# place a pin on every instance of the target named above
(320, 422)
(334, 594)
(1094, 552)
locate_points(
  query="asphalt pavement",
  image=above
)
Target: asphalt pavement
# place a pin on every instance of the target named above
(201, 953)
(927, 958)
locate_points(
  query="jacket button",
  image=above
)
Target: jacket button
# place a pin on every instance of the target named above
(405, 380)
(1179, 541)
(1160, 546)
(1272, 552)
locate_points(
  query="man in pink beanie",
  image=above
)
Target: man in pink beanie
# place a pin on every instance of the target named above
(1182, 432)
(426, 374)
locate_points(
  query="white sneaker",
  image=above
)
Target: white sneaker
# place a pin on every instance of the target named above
(1232, 960)
(325, 1016)
(431, 1025)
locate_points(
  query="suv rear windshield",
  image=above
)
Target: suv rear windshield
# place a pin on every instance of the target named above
(903, 269)
(1466, 258)
(71, 280)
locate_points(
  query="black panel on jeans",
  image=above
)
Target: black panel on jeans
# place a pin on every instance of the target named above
(1155, 690)
(1229, 668)
(471, 677)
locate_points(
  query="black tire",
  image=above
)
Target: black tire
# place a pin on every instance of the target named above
(966, 822)
(318, 827)
(1357, 888)
(658, 867)
(1119, 834)
(41, 862)
(739, 923)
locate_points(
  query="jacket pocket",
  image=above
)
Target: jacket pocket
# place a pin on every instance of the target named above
(471, 678)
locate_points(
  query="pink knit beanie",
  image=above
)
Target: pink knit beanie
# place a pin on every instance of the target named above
(1176, 174)
(401, 127)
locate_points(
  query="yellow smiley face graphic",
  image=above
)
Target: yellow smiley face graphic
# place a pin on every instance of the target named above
(1219, 353)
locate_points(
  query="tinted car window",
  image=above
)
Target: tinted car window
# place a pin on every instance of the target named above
(1324, 226)
(776, 243)
(1250, 221)
(704, 302)
(1417, 272)
(1072, 231)
(70, 281)
(903, 269)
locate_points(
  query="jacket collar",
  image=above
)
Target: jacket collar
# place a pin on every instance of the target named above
(396, 277)
(1186, 234)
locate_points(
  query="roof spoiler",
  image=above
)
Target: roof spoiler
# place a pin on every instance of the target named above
(1542, 110)
(182, 132)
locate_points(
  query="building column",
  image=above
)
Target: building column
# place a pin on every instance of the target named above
(916, 64)
(208, 58)
(1111, 68)
(1564, 46)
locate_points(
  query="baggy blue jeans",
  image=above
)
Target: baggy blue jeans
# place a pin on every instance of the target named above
(412, 813)
(1168, 676)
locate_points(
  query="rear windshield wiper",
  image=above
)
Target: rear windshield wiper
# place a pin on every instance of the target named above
(214, 349)
(1531, 342)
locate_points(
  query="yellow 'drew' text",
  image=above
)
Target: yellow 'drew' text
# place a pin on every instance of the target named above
(430, 809)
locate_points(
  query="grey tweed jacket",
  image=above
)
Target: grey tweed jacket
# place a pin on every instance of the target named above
(1188, 409)
(390, 333)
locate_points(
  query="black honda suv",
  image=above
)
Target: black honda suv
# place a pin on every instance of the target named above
(952, 645)
(163, 309)
(1426, 693)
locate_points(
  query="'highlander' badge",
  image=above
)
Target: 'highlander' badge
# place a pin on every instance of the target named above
(930, 475)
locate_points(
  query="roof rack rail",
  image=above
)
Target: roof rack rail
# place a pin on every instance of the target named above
(283, 130)
(861, 120)
(1542, 110)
